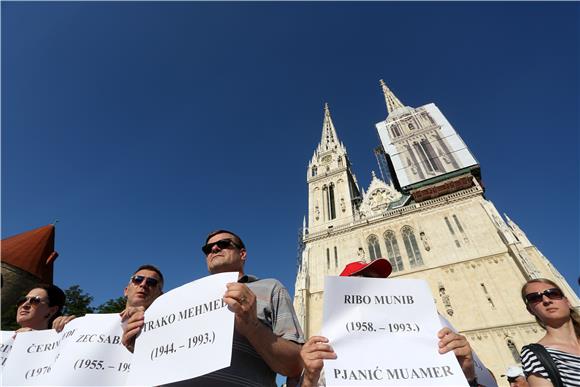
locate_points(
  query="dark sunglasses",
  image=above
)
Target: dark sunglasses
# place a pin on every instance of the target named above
(222, 244)
(552, 294)
(511, 380)
(149, 281)
(32, 300)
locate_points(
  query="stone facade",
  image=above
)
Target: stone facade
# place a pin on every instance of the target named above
(474, 260)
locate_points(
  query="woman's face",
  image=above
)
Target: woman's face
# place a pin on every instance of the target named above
(551, 306)
(33, 310)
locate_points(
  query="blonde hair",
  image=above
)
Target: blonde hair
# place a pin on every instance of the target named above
(574, 316)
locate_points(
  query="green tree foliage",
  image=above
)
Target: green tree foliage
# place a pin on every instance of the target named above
(78, 302)
(114, 305)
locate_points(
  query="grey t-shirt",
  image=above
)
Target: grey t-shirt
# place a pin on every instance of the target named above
(275, 310)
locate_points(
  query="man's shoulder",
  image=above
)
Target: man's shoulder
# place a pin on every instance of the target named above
(271, 283)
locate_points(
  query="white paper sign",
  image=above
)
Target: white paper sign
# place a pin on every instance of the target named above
(384, 333)
(88, 352)
(188, 332)
(484, 377)
(7, 339)
(31, 358)
(93, 354)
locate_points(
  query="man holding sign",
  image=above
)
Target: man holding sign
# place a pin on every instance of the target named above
(267, 334)
(317, 348)
(145, 285)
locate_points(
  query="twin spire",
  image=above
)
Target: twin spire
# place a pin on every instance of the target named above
(391, 99)
(329, 138)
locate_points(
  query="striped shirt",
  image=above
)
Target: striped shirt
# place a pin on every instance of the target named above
(568, 365)
(275, 310)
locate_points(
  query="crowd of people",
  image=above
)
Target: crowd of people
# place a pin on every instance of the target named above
(268, 339)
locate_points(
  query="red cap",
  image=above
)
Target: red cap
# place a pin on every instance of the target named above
(380, 267)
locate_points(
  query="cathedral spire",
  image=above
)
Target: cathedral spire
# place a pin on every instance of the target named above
(392, 101)
(329, 138)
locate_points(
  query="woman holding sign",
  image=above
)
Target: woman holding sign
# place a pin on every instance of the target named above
(556, 360)
(38, 309)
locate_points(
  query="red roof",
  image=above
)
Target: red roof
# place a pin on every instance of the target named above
(32, 251)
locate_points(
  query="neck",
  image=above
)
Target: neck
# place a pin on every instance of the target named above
(562, 332)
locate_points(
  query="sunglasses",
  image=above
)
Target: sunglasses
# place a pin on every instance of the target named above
(32, 300)
(149, 281)
(222, 244)
(552, 294)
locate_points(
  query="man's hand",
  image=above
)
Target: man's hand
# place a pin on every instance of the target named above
(59, 322)
(312, 354)
(133, 319)
(281, 355)
(451, 341)
(242, 301)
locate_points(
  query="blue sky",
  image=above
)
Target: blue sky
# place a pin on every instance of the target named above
(143, 126)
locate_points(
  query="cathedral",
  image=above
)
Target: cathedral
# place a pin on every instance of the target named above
(430, 218)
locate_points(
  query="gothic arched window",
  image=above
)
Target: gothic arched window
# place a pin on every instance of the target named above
(331, 205)
(393, 251)
(340, 162)
(314, 170)
(327, 258)
(431, 155)
(411, 246)
(423, 156)
(395, 130)
(374, 248)
(457, 223)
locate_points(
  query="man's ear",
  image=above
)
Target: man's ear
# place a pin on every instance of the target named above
(125, 292)
(243, 254)
(51, 311)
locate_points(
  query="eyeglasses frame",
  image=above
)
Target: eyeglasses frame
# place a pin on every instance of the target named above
(209, 246)
(551, 293)
(37, 301)
(137, 279)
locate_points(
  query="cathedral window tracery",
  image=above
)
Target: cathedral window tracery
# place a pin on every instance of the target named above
(374, 247)
(431, 155)
(423, 156)
(395, 130)
(314, 170)
(393, 253)
(411, 246)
